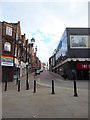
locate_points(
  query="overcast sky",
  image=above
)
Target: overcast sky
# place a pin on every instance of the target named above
(45, 21)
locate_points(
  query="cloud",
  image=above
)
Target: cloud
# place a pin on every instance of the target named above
(46, 20)
(46, 43)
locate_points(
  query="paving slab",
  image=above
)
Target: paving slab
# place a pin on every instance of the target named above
(43, 104)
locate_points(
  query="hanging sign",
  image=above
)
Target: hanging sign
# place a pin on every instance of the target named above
(6, 60)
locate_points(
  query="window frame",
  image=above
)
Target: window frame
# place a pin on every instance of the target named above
(9, 30)
(7, 46)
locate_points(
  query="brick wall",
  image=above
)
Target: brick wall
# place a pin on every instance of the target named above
(0, 50)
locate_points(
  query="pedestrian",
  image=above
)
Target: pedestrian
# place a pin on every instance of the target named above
(73, 75)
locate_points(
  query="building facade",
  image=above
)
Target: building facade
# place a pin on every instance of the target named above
(0, 50)
(72, 53)
(16, 52)
(7, 56)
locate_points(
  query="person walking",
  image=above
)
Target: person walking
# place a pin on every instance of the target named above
(74, 75)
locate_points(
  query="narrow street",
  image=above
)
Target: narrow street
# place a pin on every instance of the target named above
(42, 103)
(46, 78)
(44, 59)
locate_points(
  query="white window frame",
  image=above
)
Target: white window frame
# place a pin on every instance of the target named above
(9, 30)
(7, 46)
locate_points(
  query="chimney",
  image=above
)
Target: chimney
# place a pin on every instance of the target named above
(18, 22)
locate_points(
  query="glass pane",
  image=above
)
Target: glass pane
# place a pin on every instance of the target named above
(7, 46)
(8, 31)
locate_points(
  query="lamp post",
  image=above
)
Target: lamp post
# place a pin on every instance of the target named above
(18, 80)
(27, 62)
(33, 41)
(20, 46)
(19, 43)
(27, 84)
(36, 55)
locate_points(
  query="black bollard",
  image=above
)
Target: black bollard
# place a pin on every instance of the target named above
(5, 86)
(18, 85)
(34, 86)
(28, 85)
(75, 89)
(53, 92)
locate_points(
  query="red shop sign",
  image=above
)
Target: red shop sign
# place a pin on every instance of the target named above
(82, 66)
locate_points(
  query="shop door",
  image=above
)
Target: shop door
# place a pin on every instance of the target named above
(7, 73)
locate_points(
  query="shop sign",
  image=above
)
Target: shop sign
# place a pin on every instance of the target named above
(83, 66)
(7, 60)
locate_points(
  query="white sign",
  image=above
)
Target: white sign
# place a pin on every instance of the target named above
(6, 64)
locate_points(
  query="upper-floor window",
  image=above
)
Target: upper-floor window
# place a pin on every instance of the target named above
(79, 41)
(9, 30)
(7, 46)
(16, 51)
(16, 36)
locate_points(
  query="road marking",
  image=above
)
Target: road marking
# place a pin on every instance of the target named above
(43, 84)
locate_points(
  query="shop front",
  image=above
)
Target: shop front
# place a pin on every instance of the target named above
(83, 70)
(7, 68)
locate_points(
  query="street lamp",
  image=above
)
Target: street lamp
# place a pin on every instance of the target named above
(18, 80)
(36, 48)
(27, 62)
(27, 84)
(36, 57)
(19, 43)
(32, 40)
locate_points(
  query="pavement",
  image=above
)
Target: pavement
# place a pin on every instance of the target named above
(43, 104)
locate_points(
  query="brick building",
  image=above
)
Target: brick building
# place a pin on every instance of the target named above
(7, 57)
(0, 50)
(16, 52)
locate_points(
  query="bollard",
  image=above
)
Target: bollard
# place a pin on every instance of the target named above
(18, 85)
(5, 86)
(34, 86)
(53, 92)
(75, 89)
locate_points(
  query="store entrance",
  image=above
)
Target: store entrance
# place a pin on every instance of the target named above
(83, 74)
(7, 73)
